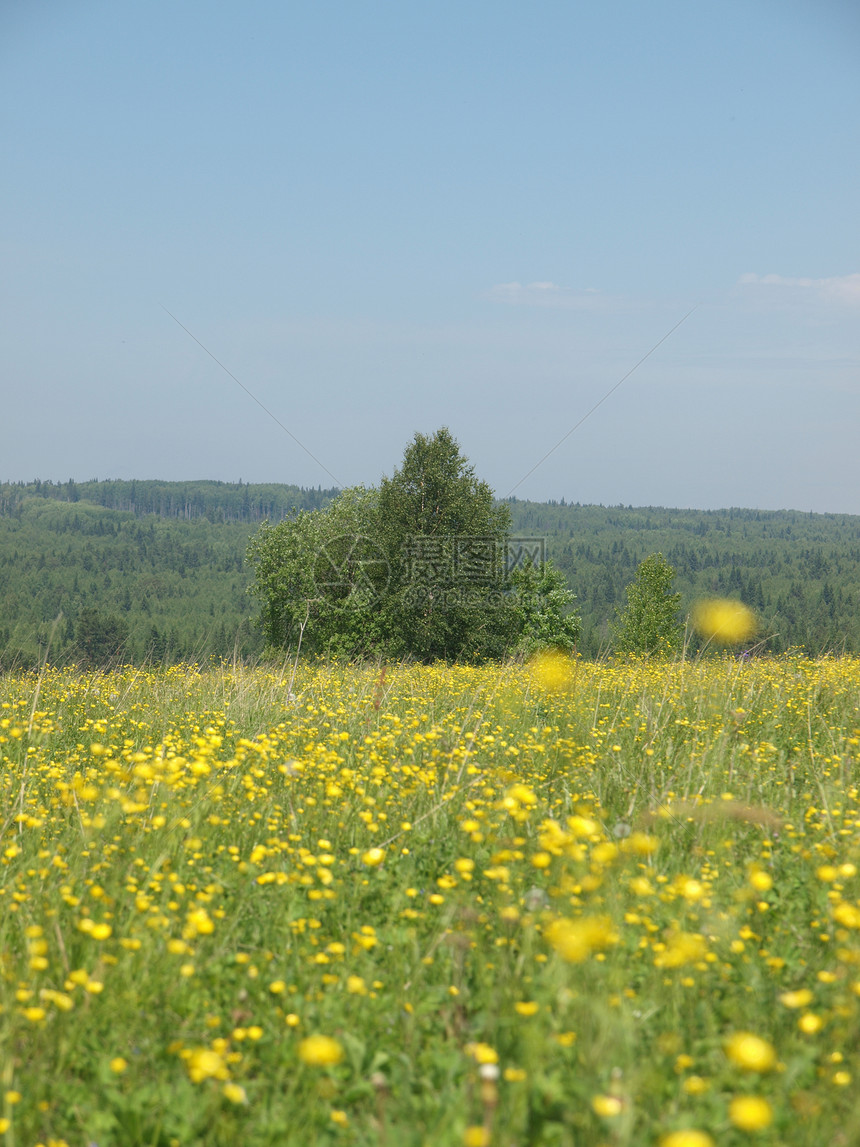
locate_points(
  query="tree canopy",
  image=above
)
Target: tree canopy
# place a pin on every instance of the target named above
(420, 567)
(650, 623)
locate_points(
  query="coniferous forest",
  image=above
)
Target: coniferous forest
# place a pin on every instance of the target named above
(149, 571)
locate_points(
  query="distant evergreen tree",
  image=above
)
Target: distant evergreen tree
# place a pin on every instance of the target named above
(650, 622)
(99, 637)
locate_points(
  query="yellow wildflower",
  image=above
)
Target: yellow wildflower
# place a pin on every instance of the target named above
(750, 1112)
(750, 1052)
(320, 1051)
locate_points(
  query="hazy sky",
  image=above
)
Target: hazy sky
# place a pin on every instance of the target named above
(383, 217)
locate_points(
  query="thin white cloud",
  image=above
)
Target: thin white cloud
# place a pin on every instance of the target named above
(843, 289)
(543, 294)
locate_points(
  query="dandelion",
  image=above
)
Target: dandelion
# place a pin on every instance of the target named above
(552, 671)
(320, 1051)
(575, 940)
(373, 857)
(682, 948)
(199, 923)
(809, 1023)
(750, 1113)
(607, 1106)
(205, 1063)
(688, 1138)
(724, 621)
(799, 999)
(760, 880)
(750, 1052)
(234, 1093)
(118, 1065)
(848, 915)
(482, 1052)
(695, 1085)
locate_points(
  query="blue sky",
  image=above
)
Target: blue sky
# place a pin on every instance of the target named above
(385, 217)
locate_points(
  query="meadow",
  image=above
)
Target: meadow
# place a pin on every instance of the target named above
(569, 904)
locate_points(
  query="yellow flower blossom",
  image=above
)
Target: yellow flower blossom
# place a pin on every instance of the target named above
(799, 999)
(750, 1052)
(320, 1051)
(724, 621)
(552, 671)
(688, 1138)
(204, 1063)
(750, 1112)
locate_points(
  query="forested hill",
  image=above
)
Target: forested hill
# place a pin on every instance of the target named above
(801, 572)
(216, 501)
(158, 568)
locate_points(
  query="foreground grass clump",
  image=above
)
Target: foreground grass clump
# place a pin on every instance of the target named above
(588, 905)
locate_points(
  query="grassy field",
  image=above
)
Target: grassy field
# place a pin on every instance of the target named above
(569, 904)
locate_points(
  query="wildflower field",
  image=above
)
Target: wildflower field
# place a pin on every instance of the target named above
(568, 904)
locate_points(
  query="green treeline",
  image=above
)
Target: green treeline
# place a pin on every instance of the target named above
(157, 569)
(800, 572)
(216, 501)
(178, 588)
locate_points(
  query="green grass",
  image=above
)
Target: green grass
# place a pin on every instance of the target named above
(586, 886)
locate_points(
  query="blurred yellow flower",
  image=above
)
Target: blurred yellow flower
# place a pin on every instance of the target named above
(607, 1106)
(552, 671)
(750, 1112)
(482, 1053)
(320, 1051)
(750, 1052)
(848, 915)
(204, 1063)
(809, 1023)
(575, 940)
(724, 621)
(688, 1138)
(799, 999)
(761, 881)
(681, 948)
(695, 1085)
